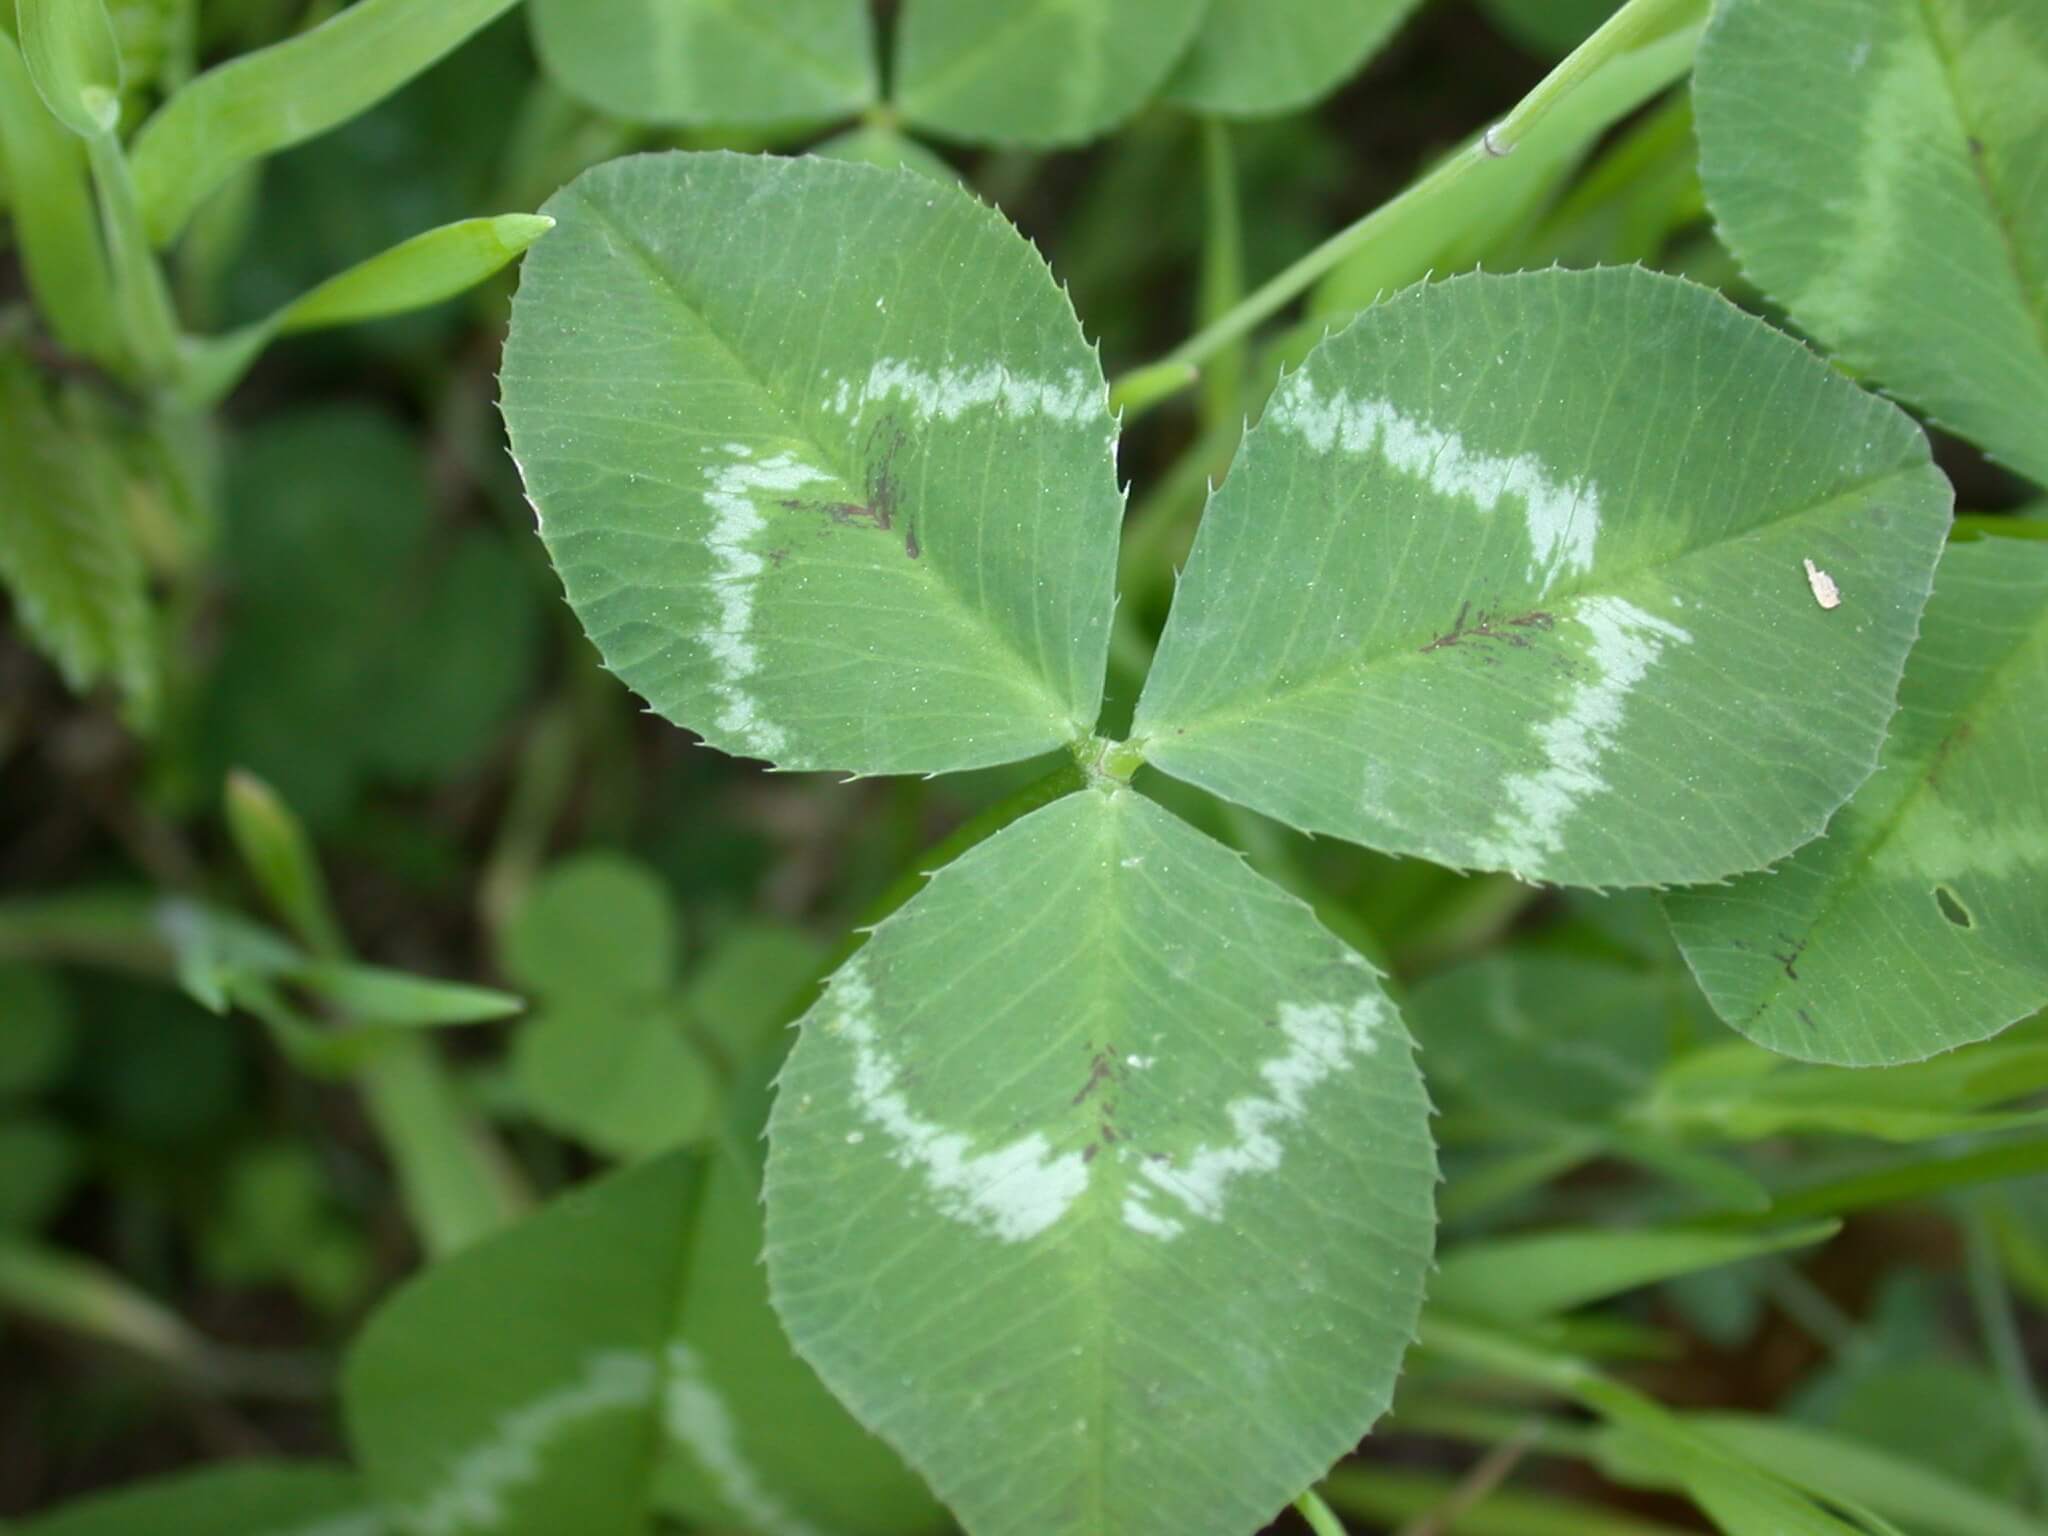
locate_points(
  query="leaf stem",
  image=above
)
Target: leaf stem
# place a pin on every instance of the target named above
(1638, 25)
(141, 296)
(1222, 268)
(1318, 1515)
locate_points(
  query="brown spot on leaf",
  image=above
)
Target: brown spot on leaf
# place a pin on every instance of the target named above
(1515, 632)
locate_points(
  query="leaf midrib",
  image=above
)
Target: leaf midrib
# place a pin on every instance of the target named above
(1343, 668)
(973, 58)
(2033, 296)
(1057, 713)
(750, 17)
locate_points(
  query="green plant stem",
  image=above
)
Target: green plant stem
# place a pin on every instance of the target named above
(541, 781)
(1320, 1520)
(456, 1182)
(142, 297)
(1453, 1420)
(1995, 1320)
(1222, 269)
(1638, 25)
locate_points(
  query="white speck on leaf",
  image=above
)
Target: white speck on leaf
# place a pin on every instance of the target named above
(1825, 592)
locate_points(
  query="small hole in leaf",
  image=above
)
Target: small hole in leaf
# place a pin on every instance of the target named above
(1952, 907)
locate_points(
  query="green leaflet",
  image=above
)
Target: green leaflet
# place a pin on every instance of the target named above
(1921, 921)
(606, 1058)
(611, 1356)
(1255, 57)
(244, 1499)
(1881, 167)
(822, 458)
(1041, 72)
(1512, 575)
(1121, 1161)
(67, 553)
(1548, 1037)
(701, 61)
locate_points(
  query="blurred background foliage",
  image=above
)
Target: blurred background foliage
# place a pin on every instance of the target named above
(333, 588)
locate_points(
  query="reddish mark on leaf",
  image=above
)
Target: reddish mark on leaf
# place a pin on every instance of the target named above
(1517, 632)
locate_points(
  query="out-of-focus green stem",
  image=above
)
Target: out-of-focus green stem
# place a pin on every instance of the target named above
(1320, 1520)
(1670, 26)
(1222, 269)
(1995, 1320)
(141, 296)
(457, 1184)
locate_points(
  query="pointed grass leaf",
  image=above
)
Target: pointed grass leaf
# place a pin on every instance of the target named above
(73, 57)
(1251, 58)
(610, 1356)
(1920, 923)
(1513, 574)
(282, 95)
(1522, 1278)
(1100, 1183)
(55, 226)
(822, 459)
(1031, 71)
(1881, 168)
(249, 1498)
(709, 61)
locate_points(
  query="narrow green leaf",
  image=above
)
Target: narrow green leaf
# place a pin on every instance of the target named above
(67, 554)
(1828, 1464)
(1498, 582)
(834, 500)
(1251, 58)
(247, 1498)
(1921, 921)
(424, 270)
(75, 62)
(277, 852)
(50, 198)
(374, 995)
(1522, 1278)
(414, 274)
(1040, 72)
(1881, 167)
(634, 1365)
(287, 93)
(710, 61)
(1100, 1183)
(61, 1287)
